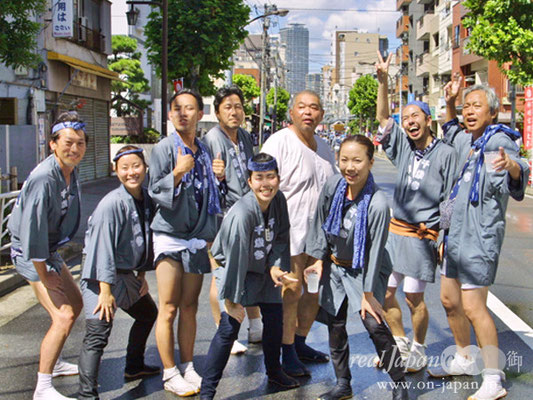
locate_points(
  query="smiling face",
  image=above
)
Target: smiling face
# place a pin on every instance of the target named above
(416, 123)
(265, 185)
(354, 163)
(69, 147)
(476, 112)
(306, 113)
(230, 113)
(131, 171)
(185, 114)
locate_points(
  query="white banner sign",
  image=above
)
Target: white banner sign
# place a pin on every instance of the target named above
(63, 21)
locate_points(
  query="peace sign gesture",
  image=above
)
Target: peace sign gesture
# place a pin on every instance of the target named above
(451, 90)
(382, 67)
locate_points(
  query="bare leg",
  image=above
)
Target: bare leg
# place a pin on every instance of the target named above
(253, 312)
(191, 285)
(475, 306)
(393, 312)
(169, 274)
(450, 296)
(419, 315)
(213, 301)
(291, 296)
(63, 307)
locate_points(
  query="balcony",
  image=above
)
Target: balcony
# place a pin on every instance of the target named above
(423, 64)
(402, 25)
(424, 26)
(402, 55)
(405, 84)
(88, 38)
(401, 3)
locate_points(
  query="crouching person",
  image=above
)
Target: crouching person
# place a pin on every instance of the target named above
(252, 247)
(118, 251)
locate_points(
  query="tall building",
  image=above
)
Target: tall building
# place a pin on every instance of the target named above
(314, 82)
(295, 39)
(355, 56)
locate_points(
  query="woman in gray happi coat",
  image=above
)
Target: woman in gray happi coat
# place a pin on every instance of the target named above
(473, 223)
(252, 248)
(347, 242)
(117, 253)
(46, 216)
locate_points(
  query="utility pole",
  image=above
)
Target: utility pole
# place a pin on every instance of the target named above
(264, 37)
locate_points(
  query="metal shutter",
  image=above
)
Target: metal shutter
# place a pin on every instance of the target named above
(101, 138)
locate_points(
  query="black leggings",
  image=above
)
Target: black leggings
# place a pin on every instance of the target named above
(97, 332)
(380, 335)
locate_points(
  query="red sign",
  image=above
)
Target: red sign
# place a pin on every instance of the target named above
(178, 84)
(528, 118)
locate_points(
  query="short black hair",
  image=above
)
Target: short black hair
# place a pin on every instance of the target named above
(226, 91)
(67, 116)
(363, 140)
(193, 93)
(262, 158)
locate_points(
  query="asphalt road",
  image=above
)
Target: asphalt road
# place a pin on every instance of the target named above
(244, 376)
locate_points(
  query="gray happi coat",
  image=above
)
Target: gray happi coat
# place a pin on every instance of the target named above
(416, 199)
(476, 232)
(36, 225)
(176, 214)
(236, 172)
(247, 246)
(117, 242)
(338, 282)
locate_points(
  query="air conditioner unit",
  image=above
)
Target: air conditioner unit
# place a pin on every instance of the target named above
(84, 21)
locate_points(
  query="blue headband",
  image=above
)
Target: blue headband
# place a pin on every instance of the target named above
(68, 124)
(420, 104)
(262, 166)
(132, 151)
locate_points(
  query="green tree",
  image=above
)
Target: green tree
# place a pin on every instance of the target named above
(202, 37)
(362, 100)
(282, 105)
(126, 61)
(503, 31)
(18, 34)
(250, 90)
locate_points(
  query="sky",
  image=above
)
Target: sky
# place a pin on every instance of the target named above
(321, 17)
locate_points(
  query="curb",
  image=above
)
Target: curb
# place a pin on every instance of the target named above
(10, 280)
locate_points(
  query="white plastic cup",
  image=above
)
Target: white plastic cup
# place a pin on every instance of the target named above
(490, 156)
(312, 282)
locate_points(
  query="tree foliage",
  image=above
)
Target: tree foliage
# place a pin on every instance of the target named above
(282, 104)
(18, 33)
(201, 39)
(362, 99)
(502, 30)
(250, 90)
(126, 61)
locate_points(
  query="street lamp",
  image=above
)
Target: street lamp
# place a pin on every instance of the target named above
(269, 11)
(132, 14)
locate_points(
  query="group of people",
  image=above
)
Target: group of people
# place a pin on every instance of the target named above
(265, 224)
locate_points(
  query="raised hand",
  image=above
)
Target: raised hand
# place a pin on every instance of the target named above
(452, 88)
(184, 162)
(219, 166)
(382, 67)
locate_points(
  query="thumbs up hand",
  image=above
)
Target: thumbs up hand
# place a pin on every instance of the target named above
(219, 167)
(184, 163)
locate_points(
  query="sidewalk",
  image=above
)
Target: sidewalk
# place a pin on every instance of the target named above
(91, 194)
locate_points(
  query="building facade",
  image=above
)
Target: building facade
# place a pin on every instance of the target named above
(295, 39)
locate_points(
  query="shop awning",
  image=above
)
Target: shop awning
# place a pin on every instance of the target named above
(84, 66)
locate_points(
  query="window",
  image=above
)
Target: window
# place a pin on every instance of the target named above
(436, 39)
(457, 36)
(355, 53)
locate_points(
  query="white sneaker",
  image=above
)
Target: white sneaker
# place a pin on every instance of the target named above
(458, 366)
(491, 388)
(190, 375)
(63, 368)
(238, 348)
(403, 347)
(417, 358)
(50, 393)
(180, 386)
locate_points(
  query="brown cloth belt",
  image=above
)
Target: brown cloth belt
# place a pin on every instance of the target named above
(402, 228)
(342, 263)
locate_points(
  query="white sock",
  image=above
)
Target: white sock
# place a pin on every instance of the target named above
(255, 324)
(492, 376)
(184, 367)
(415, 345)
(44, 381)
(169, 373)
